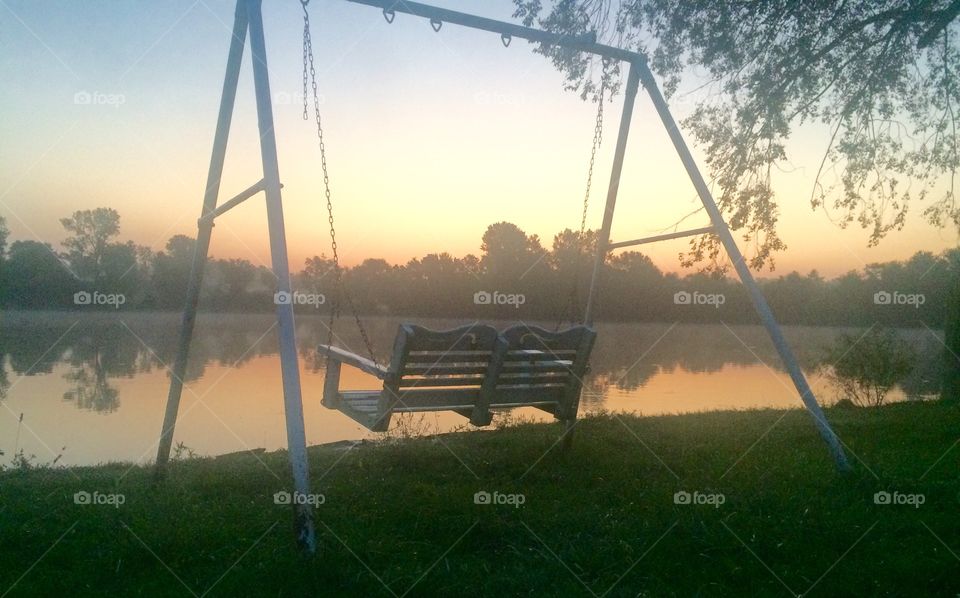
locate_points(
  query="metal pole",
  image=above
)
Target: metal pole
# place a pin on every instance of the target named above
(202, 246)
(759, 302)
(292, 401)
(633, 82)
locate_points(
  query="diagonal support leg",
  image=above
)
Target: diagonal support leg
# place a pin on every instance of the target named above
(292, 400)
(214, 175)
(759, 301)
(248, 17)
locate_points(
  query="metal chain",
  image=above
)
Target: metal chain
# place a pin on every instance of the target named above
(597, 141)
(338, 272)
(307, 42)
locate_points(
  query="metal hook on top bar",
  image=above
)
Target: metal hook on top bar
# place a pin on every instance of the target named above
(389, 15)
(506, 38)
(436, 24)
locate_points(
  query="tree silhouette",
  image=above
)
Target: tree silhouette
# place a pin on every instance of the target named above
(879, 76)
(171, 272)
(36, 277)
(508, 254)
(4, 234)
(90, 388)
(91, 231)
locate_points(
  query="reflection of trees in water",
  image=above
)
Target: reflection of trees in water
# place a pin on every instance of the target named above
(313, 331)
(594, 393)
(90, 388)
(93, 352)
(98, 347)
(627, 355)
(32, 349)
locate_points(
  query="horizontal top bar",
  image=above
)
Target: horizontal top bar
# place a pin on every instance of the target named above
(582, 43)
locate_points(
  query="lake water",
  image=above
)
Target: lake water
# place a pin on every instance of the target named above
(92, 387)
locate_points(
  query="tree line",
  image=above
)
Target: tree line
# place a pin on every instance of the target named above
(515, 276)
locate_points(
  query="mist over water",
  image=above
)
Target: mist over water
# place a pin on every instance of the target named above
(93, 388)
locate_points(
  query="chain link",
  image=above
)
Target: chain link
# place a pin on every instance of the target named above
(597, 140)
(570, 306)
(306, 43)
(308, 66)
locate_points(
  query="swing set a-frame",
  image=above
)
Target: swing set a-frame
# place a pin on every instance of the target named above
(248, 20)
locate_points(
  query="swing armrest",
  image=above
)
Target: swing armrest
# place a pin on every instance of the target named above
(361, 363)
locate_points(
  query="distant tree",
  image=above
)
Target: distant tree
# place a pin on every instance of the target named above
(471, 264)
(91, 232)
(569, 250)
(4, 234)
(865, 367)
(120, 269)
(633, 288)
(318, 268)
(438, 284)
(37, 278)
(180, 248)
(371, 284)
(171, 272)
(796, 297)
(571, 259)
(234, 280)
(847, 301)
(508, 254)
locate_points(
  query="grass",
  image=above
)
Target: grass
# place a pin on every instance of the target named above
(399, 517)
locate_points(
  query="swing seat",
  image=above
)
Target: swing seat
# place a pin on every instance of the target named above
(469, 370)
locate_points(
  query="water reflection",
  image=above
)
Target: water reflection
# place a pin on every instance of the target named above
(57, 367)
(99, 347)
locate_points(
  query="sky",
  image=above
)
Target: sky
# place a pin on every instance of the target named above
(431, 137)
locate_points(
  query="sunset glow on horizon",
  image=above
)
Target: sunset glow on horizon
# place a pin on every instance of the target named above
(431, 137)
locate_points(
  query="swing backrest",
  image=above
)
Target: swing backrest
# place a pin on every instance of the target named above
(438, 369)
(539, 367)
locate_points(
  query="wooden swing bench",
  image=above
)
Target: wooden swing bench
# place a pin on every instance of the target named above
(470, 370)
